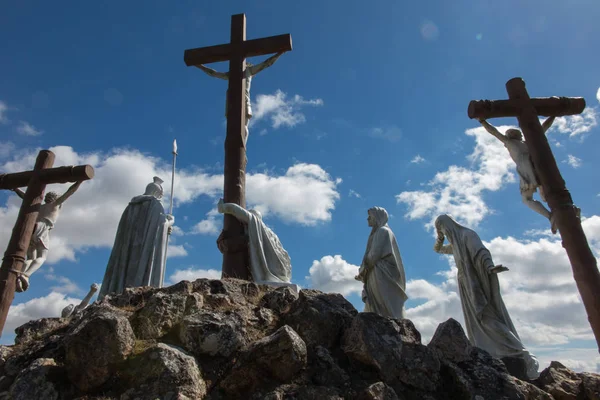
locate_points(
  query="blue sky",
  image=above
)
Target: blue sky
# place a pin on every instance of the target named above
(368, 109)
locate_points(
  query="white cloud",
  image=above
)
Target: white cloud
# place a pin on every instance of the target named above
(65, 285)
(459, 190)
(280, 110)
(539, 292)
(3, 109)
(573, 161)
(598, 95)
(208, 226)
(25, 128)
(176, 251)
(191, 274)
(576, 125)
(305, 194)
(391, 133)
(6, 149)
(417, 159)
(41, 307)
(353, 193)
(334, 275)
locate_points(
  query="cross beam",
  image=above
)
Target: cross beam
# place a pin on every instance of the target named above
(527, 110)
(546, 107)
(232, 242)
(36, 182)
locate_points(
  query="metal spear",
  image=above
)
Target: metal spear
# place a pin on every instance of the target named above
(162, 278)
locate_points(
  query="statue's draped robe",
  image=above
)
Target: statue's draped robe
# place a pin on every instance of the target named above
(487, 321)
(385, 282)
(269, 261)
(138, 254)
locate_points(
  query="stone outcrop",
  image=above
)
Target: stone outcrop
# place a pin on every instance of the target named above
(231, 339)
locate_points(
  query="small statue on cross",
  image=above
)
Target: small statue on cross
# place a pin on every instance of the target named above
(40, 240)
(529, 181)
(249, 72)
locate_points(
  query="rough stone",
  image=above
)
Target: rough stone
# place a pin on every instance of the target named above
(37, 329)
(34, 382)
(95, 347)
(376, 341)
(279, 356)
(408, 331)
(160, 314)
(164, 370)
(221, 339)
(378, 391)
(212, 334)
(279, 300)
(565, 384)
(329, 315)
(450, 342)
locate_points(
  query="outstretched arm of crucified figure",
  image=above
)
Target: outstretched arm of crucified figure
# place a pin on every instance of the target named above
(231, 208)
(68, 193)
(492, 129)
(19, 193)
(548, 123)
(213, 73)
(255, 69)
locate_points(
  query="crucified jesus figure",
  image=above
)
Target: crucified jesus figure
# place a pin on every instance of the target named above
(249, 72)
(529, 182)
(40, 240)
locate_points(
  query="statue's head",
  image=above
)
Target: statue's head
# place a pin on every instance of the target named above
(377, 217)
(155, 188)
(514, 134)
(51, 197)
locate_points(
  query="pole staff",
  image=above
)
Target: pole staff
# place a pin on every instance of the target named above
(162, 278)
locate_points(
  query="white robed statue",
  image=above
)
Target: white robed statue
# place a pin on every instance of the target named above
(381, 269)
(138, 255)
(269, 261)
(487, 322)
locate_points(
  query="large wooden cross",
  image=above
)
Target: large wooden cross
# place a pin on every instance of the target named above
(232, 242)
(35, 181)
(527, 110)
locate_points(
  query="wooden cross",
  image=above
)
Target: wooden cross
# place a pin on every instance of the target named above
(527, 110)
(232, 242)
(36, 181)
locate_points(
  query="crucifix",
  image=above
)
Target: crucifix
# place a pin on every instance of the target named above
(564, 215)
(232, 241)
(35, 181)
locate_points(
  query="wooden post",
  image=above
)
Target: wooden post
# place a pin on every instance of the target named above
(527, 110)
(232, 242)
(36, 181)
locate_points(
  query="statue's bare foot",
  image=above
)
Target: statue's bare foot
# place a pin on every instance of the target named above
(498, 268)
(22, 283)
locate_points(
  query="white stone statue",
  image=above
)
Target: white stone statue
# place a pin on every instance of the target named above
(40, 239)
(529, 182)
(487, 322)
(269, 262)
(381, 269)
(249, 72)
(71, 309)
(138, 254)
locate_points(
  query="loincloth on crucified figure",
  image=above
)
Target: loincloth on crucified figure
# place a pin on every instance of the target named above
(41, 234)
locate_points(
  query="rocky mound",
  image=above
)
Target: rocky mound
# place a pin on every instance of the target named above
(230, 339)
